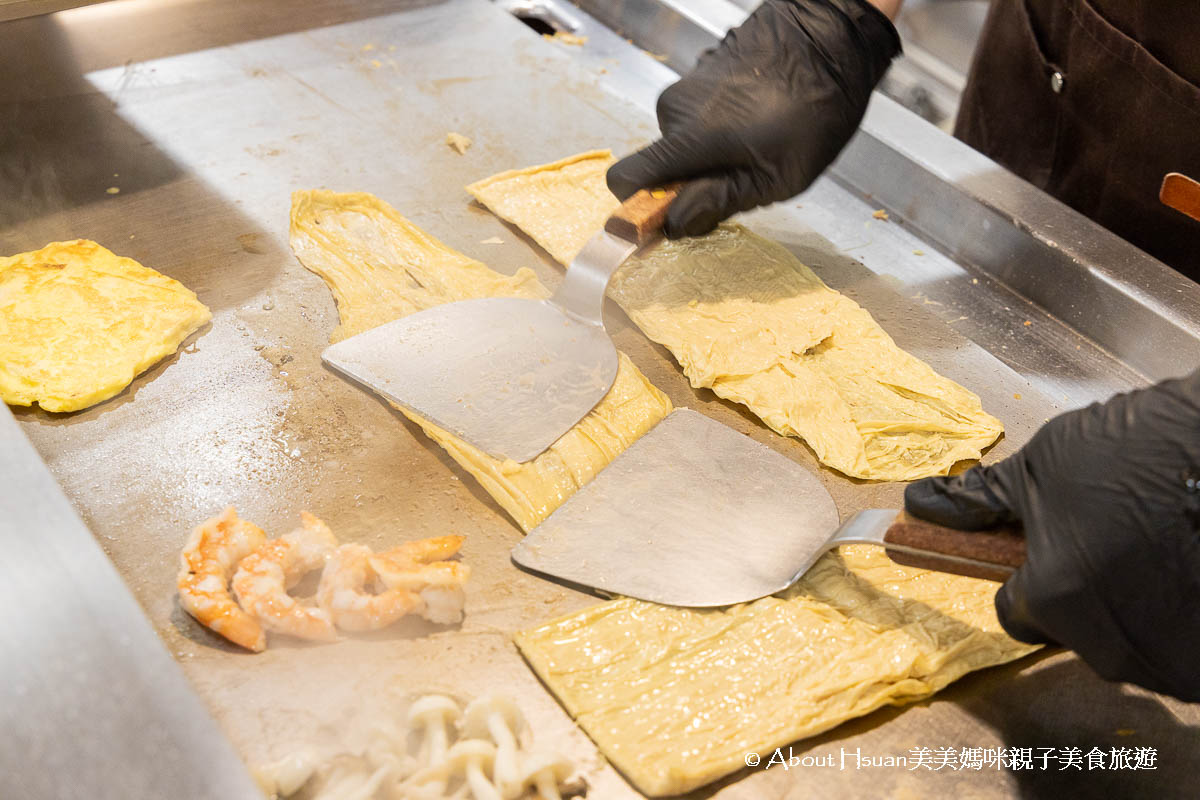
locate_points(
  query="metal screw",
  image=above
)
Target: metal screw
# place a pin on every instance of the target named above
(1056, 82)
(1191, 500)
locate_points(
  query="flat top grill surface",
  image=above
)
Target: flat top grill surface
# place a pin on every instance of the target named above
(206, 116)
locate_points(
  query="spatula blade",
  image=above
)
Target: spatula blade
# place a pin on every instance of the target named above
(692, 514)
(508, 375)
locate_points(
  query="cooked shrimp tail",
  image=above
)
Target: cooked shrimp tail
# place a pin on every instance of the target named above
(413, 567)
(264, 577)
(426, 551)
(345, 593)
(208, 561)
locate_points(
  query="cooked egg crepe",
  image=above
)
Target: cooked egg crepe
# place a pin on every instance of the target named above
(78, 323)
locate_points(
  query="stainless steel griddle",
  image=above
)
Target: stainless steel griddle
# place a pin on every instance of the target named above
(16, 9)
(206, 115)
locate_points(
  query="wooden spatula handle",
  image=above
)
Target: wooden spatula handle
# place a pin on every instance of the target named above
(640, 218)
(992, 554)
(1181, 193)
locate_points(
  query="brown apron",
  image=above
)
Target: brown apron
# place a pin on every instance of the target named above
(1095, 102)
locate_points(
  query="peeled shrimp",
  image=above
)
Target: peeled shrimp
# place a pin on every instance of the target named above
(418, 567)
(426, 551)
(345, 592)
(208, 559)
(264, 576)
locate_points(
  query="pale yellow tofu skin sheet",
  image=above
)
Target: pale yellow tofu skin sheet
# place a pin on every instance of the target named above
(381, 267)
(746, 319)
(675, 698)
(857, 632)
(78, 323)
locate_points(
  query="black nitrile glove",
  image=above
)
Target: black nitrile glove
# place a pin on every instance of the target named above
(763, 114)
(1110, 499)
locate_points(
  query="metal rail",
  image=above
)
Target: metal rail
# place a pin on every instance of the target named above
(16, 9)
(978, 213)
(91, 699)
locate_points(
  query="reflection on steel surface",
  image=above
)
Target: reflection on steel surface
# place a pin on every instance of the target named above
(91, 699)
(15, 9)
(226, 106)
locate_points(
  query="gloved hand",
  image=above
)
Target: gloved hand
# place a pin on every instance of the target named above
(763, 114)
(1110, 500)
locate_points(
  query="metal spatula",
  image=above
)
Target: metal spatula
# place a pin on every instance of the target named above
(509, 375)
(696, 514)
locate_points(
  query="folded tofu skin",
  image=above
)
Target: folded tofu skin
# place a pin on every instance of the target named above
(78, 323)
(381, 267)
(745, 318)
(674, 697)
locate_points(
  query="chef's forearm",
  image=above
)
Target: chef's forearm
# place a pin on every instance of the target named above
(889, 7)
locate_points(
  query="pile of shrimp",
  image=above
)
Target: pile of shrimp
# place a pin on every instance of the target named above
(359, 590)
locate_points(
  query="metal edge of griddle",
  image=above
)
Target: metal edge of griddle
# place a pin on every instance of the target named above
(1136, 308)
(675, 30)
(635, 77)
(17, 9)
(78, 655)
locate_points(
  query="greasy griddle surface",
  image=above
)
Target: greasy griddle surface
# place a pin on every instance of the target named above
(206, 142)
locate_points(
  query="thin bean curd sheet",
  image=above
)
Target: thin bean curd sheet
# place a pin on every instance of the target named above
(745, 318)
(673, 697)
(381, 267)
